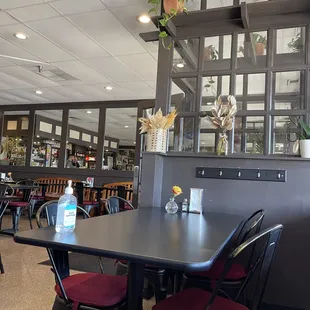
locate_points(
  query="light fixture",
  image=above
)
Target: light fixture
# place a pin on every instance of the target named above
(209, 103)
(67, 141)
(203, 143)
(90, 146)
(53, 139)
(144, 18)
(108, 87)
(181, 65)
(89, 112)
(39, 92)
(126, 126)
(134, 142)
(107, 150)
(20, 35)
(38, 136)
(20, 139)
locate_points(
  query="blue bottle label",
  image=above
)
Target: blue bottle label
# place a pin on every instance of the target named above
(70, 216)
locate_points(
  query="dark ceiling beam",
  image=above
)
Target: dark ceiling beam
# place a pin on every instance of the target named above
(149, 36)
(245, 15)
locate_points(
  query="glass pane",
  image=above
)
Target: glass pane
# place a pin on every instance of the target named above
(288, 83)
(120, 138)
(182, 137)
(46, 144)
(207, 142)
(14, 138)
(213, 86)
(212, 4)
(185, 55)
(183, 96)
(256, 84)
(290, 46)
(285, 129)
(81, 138)
(217, 53)
(252, 49)
(255, 105)
(254, 143)
(287, 105)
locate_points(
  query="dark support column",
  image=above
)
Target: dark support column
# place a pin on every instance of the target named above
(30, 137)
(61, 260)
(63, 143)
(1, 123)
(101, 133)
(163, 77)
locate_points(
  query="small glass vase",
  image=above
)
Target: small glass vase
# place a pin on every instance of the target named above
(171, 206)
(222, 145)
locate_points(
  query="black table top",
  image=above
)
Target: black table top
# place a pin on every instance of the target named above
(23, 186)
(183, 241)
(9, 198)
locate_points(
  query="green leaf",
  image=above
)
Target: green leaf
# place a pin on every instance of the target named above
(211, 81)
(152, 10)
(163, 34)
(154, 1)
(185, 10)
(169, 47)
(305, 127)
(207, 85)
(163, 22)
(173, 12)
(165, 16)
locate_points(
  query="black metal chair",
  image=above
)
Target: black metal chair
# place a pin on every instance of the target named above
(87, 289)
(88, 205)
(5, 189)
(157, 277)
(196, 298)
(238, 272)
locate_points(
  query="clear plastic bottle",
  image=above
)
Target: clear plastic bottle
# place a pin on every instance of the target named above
(185, 205)
(66, 211)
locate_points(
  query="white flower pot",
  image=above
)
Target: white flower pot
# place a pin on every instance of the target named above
(156, 141)
(305, 148)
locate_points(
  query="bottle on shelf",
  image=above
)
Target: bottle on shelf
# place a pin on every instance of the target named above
(185, 205)
(66, 211)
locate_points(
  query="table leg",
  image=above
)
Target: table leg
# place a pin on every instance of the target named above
(135, 285)
(61, 260)
(16, 212)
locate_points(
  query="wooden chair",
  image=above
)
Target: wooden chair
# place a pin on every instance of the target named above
(112, 189)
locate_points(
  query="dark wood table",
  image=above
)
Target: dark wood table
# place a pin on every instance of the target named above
(188, 242)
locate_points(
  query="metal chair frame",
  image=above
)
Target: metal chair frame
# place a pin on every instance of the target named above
(111, 209)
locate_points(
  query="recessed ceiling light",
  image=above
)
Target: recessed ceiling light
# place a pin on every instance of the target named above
(89, 112)
(20, 35)
(67, 141)
(134, 142)
(144, 18)
(38, 136)
(90, 146)
(180, 65)
(39, 92)
(126, 126)
(108, 87)
(53, 139)
(203, 143)
(209, 103)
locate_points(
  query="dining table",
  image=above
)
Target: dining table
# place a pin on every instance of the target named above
(148, 235)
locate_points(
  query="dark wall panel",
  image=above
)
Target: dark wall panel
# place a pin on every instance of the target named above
(287, 203)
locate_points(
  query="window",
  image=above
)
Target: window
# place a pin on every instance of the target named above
(259, 69)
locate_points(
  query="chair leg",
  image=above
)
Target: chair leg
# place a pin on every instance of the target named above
(16, 212)
(29, 209)
(1, 265)
(159, 282)
(177, 281)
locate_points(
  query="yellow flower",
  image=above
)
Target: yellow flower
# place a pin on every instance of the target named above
(176, 190)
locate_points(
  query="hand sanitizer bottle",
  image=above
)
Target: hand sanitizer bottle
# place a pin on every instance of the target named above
(66, 211)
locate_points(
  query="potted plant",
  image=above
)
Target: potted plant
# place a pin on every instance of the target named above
(7, 146)
(210, 53)
(260, 43)
(304, 140)
(171, 8)
(296, 44)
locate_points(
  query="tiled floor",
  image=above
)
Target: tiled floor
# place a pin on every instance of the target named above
(26, 285)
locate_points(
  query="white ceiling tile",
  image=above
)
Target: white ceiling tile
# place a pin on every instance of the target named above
(69, 37)
(5, 63)
(140, 89)
(13, 98)
(90, 92)
(13, 82)
(151, 84)
(68, 92)
(35, 44)
(6, 19)
(81, 71)
(144, 65)
(112, 69)
(69, 7)
(118, 92)
(108, 32)
(120, 3)
(11, 4)
(28, 95)
(34, 12)
(29, 76)
(52, 96)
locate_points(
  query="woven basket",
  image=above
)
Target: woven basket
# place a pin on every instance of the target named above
(157, 141)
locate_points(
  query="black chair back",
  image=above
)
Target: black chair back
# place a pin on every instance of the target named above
(28, 193)
(5, 189)
(49, 211)
(79, 188)
(271, 237)
(117, 204)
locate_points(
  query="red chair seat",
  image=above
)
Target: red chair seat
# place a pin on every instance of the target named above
(93, 289)
(18, 204)
(196, 299)
(90, 203)
(237, 272)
